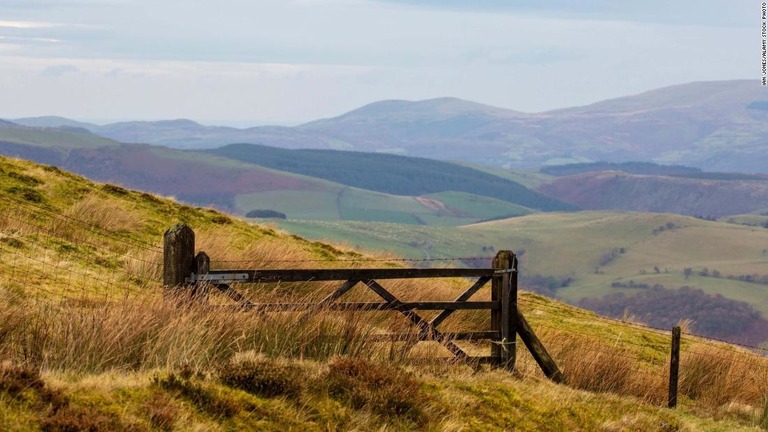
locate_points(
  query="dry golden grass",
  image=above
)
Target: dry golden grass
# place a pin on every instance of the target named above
(107, 214)
(716, 376)
(589, 363)
(149, 332)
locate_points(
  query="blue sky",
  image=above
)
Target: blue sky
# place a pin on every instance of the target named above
(255, 62)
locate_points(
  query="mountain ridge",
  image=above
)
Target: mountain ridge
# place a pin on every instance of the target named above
(713, 125)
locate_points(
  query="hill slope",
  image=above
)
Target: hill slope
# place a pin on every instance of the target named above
(615, 190)
(91, 343)
(389, 173)
(240, 187)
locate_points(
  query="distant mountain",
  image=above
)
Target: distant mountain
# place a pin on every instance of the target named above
(615, 190)
(718, 126)
(53, 122)
(711, 125)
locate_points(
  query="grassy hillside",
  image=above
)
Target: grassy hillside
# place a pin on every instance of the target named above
(390, 173)
(89, 341)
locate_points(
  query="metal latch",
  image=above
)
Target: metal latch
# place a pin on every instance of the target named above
(217, 277)
(505, 271)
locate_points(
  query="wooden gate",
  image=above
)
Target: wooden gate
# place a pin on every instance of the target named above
(185, 270)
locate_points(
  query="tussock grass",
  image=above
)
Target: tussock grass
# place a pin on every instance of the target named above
(155, 332)
(716, 376)
(107, 214)
(591, 364)
(763, 413)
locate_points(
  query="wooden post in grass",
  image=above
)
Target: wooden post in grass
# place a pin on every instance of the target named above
(178, 255)
(202, 266)
(674, 367)
(538, 351)
(504, 290)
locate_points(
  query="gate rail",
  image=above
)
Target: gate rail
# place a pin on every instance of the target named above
(186, 271)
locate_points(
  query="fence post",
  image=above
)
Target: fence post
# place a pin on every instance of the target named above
(538, 351)
(178, 255)
(202, 266)
(674, 367)
(504, 290)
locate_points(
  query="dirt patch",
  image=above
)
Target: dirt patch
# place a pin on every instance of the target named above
(432, 204)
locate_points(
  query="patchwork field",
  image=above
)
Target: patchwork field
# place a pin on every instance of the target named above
(580, 246)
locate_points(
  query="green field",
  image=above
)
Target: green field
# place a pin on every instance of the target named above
(336, 202)
(573, 244)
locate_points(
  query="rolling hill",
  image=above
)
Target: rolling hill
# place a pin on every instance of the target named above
(412, 193)
(719, 125)
(704, 194)
(390, 173)
(91, 341)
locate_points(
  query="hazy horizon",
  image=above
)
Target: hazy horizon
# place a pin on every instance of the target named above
(288, 62)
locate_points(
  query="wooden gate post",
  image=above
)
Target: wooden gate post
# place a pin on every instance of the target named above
(503, 320)
(178, 255)
(674, 367)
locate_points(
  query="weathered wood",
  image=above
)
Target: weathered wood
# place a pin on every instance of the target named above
(202, 266)
(244, 304)
(366, 306)
(330, 298)
(674, 367)
(306, 275)
(424, 327)
(338, 292)
(408, 337)
(202, 263)
(513, 310)
(437, 320)
(178, 255)
(504, 291)
(537, 349)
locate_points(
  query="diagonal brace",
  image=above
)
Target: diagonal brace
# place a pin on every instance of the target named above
(234, 295)
(330, 298)
(426, 329)
(434, 322)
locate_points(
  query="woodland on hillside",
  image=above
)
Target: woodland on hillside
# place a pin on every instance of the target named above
(711, 315)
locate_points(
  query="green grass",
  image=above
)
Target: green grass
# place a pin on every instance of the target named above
(336, 202)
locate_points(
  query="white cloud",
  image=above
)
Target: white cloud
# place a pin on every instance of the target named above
(25, 24)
